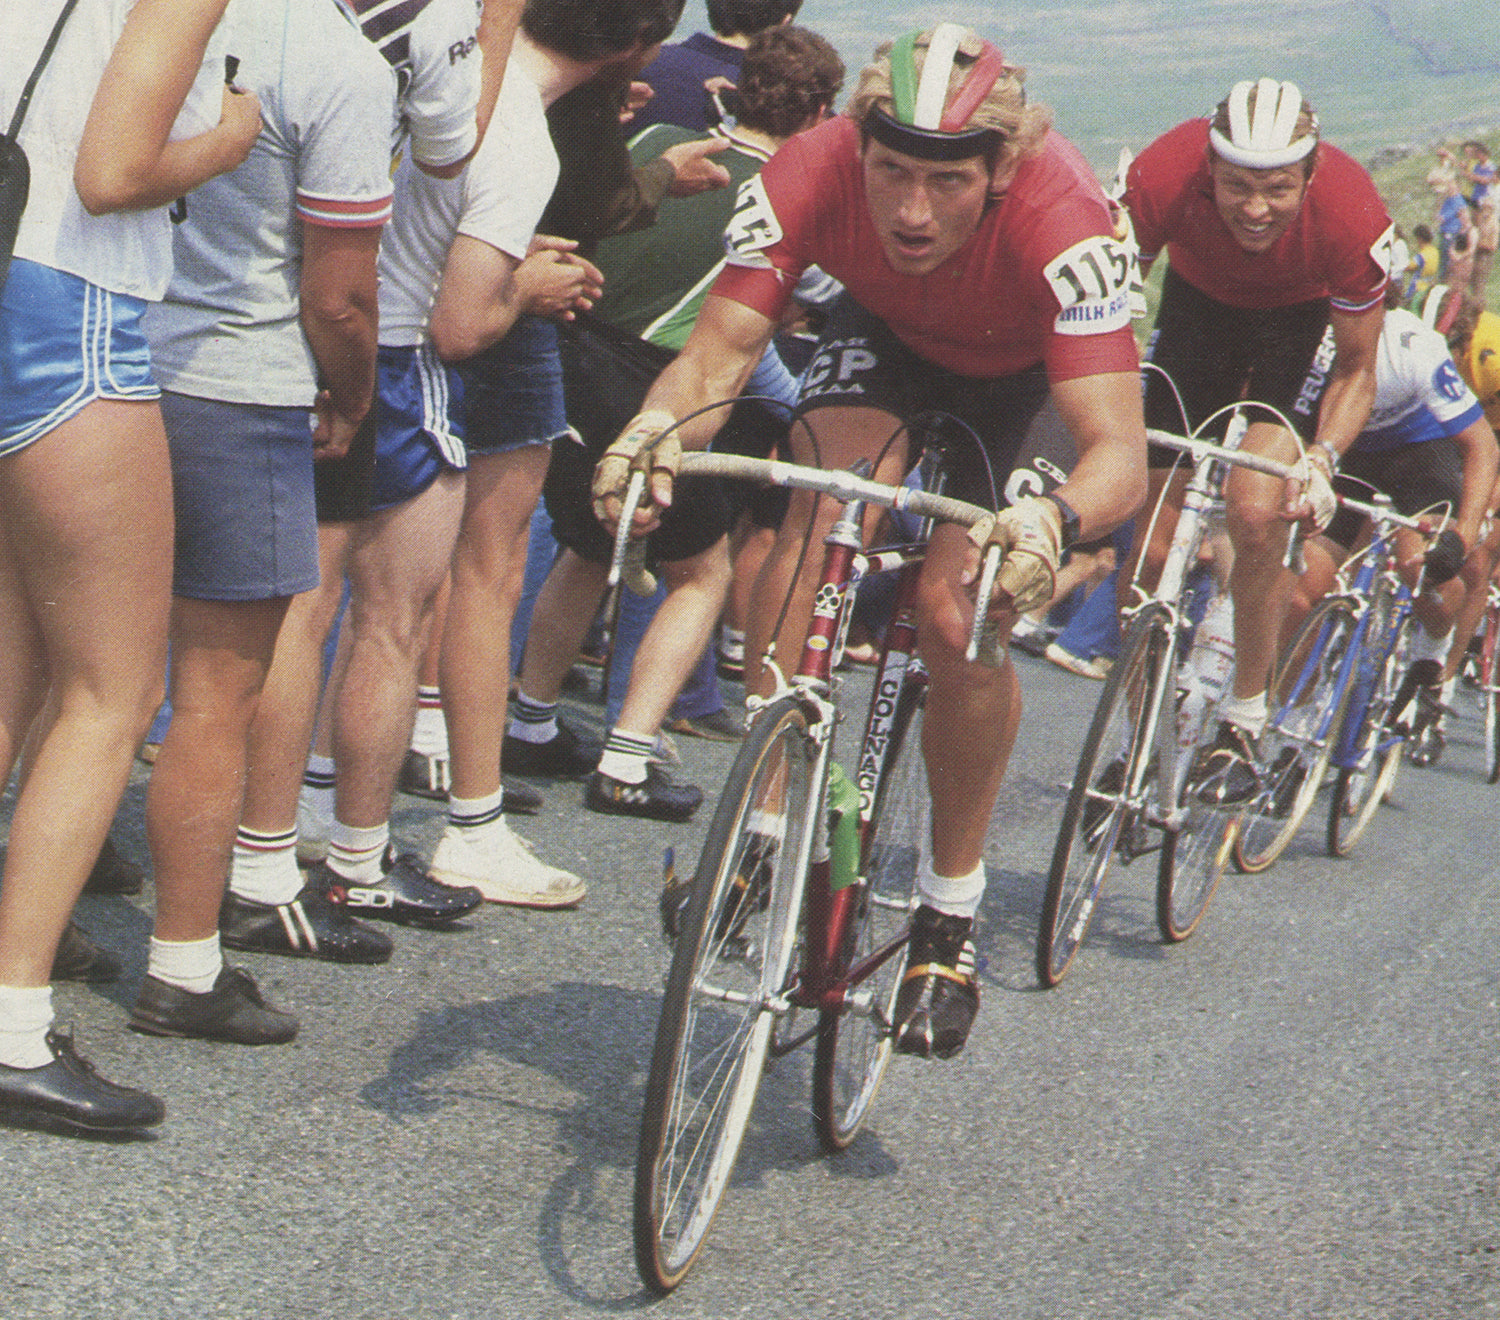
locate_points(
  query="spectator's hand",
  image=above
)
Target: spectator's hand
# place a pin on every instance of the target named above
(694, 170)
(717, 85)
(555, 281)
(640, 448)
(332, 431)
(1029, 534)
(636, 96)
(239, 124)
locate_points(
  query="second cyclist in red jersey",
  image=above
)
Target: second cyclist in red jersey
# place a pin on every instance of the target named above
(1272, 237)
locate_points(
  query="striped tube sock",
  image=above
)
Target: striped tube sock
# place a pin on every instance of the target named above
(533, 721)
(479, 818)
(315, 804)
(263, 868)
(356, 853)
(957, 895)
(429, 735)
(625, 756)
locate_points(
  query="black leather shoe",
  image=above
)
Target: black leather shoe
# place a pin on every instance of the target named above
(406, 894)
(568, 755)
(78, 958)
(427, 777)
(233, 1010)
(113, 874)
(307, 927)
(939, 995)
(657, 797)
(68, 1093)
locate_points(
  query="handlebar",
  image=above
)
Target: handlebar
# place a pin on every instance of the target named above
(840, 485)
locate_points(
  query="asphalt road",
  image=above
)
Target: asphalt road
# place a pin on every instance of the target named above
(1293, 1114)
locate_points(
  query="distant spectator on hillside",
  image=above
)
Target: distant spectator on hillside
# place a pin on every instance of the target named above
(685, 75)
(1472, 166)
(1452, 213)
(1424, 264)
(1486, 239)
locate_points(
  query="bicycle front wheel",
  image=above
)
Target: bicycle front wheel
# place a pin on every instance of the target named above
(1308, 699)
(1106, 805)
(730, 970)
(854, 1041)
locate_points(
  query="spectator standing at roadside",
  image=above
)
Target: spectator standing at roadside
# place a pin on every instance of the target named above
(684, 76)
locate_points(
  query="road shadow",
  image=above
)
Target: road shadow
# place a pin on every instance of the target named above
(595, 1040)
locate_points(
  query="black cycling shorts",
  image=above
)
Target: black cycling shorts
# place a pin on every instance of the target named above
(1019, 444)
(606, 373)
(1416, 477)
(1216, 354)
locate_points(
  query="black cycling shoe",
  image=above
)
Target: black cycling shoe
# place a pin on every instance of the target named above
(1225, 773)
(113, 874)
(69, 1094)
(569, 754)
(310, 926)
(234, 1011)
(406, 893)
(939, 995)
(657, 797)
(78, 958)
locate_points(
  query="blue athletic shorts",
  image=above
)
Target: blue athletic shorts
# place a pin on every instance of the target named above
(419, 431)
(64, 343)
(513, 391)
(242, 487)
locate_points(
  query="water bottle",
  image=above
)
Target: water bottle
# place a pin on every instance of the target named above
(1204, 675)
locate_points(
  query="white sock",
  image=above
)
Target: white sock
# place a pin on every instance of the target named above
(531, 720)
(1424, 646)
(1247, 713)
(263, 868)
(958, 896)
(357, 853)
(626, 756)
(191, 965)
(315, 801)
(25, 1019)
(478, 819)
(429, 735)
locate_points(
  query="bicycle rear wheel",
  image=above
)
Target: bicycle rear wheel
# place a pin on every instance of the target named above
(854, 1042)
(730, 966)
(1298, 742)
(1103, 808)
(1374, 756)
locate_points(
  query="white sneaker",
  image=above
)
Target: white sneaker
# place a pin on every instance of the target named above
(504, 869)
(1097, 668)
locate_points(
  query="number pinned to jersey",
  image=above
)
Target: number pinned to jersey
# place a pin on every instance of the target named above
(753, 227)
(1091, 282)
(1382, 248)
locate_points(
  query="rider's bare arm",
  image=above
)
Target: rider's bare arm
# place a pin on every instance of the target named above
(1108, 483)
(1481, 461)
(727, 340)
(1351, 385)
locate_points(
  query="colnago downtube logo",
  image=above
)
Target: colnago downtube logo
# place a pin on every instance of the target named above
(882, 715)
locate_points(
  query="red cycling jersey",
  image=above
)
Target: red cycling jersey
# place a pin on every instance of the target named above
(1042, 280)
(1338, 247)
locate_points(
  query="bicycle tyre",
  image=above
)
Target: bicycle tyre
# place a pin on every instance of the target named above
(1310, 704)
(854, 1043)
(1193, 858)
(1489, 695)
(733, 954)
(1109, 761)
(1359, 790)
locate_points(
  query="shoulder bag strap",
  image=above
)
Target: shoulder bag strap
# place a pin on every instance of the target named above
(36, 73)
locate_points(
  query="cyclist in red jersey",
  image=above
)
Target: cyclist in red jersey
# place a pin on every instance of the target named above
(1272, 237)
(983, 280)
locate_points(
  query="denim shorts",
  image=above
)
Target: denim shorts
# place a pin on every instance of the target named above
(242, 486)
(513, 391)
(64, 343)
